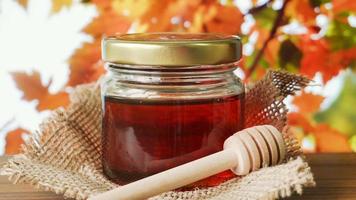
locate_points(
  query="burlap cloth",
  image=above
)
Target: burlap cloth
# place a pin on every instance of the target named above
(65, 155)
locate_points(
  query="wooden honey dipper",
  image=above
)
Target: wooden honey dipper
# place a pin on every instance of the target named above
(244, 152)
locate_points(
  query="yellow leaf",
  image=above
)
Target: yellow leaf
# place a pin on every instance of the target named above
(134, 9)
(57, 5)
(23, 3)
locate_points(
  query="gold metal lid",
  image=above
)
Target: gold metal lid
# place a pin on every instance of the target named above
(172, 49)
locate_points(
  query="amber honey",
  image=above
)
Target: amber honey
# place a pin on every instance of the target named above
(145, 137)
(168, 99)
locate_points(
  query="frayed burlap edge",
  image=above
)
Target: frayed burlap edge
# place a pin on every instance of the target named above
(64, 156)
(267, 183)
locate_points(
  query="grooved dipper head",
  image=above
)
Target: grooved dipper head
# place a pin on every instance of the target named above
(256, 147)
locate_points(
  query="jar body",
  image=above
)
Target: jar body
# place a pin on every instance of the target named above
(156, 118)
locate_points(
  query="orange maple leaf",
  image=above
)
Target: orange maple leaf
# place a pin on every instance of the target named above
(85, 64)
(226, 19)
(14, 141)
(53, 101)
(33, 89)
(318, 57)
(300, 120)
(327, 139)
(217, 18)
(301, 10)
(136, 9)
(330, 140)
(307, 102)
(343, 5)
(191, 16)
(160, 13)
(166, 16)
(271, 52)
(108, 23)
(102, 3)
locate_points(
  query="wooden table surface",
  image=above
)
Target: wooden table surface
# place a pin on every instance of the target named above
(335, 175)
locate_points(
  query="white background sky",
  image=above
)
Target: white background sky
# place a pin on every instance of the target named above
(35, 39)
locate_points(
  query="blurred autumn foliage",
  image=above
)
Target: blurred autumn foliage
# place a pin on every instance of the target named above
(312, 48)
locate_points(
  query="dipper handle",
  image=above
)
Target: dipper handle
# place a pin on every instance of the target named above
(245, 151)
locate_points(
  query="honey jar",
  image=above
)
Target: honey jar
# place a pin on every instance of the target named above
(167, 99)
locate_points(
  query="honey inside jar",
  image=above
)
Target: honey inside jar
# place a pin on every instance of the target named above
(167, 102)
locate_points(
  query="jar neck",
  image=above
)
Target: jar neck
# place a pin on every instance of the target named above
(196, 82)
(203, 75)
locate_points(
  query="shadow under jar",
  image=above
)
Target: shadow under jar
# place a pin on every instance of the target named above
(168, 98)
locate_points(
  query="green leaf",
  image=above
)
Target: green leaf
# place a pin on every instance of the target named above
(244, 38)
(353, 143)
(318, 3)
(341, 35)
(264, 64)
(249, 59)
(341, 115)
(289, 56)
(265, 18)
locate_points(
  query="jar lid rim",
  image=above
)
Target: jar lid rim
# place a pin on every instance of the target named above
(172, 49)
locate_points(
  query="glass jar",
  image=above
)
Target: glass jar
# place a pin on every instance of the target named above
(168, 99)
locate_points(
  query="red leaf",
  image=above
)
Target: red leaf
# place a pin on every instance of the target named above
(301, 10)
(318, 57)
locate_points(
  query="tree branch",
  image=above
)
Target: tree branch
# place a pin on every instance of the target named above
(276, 24)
